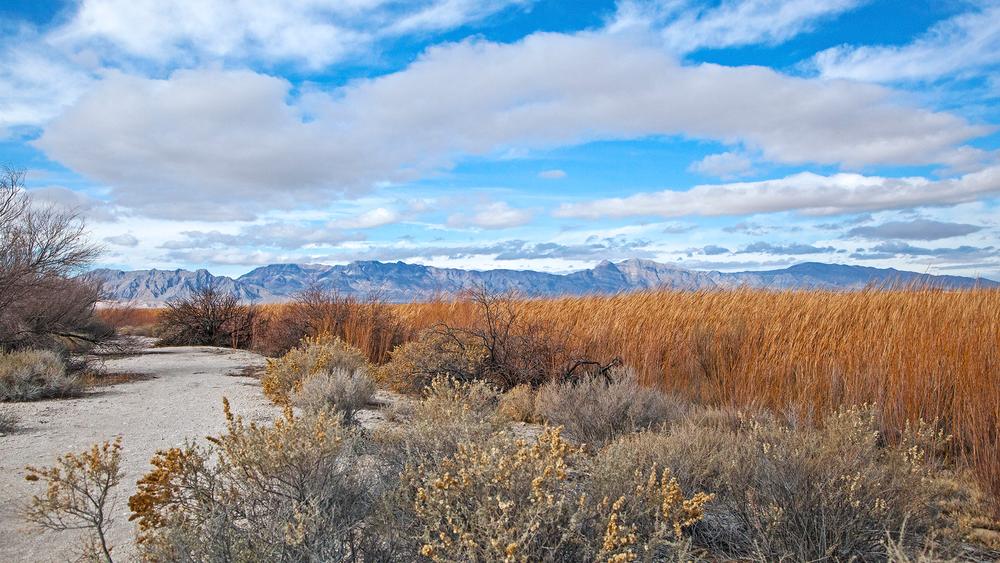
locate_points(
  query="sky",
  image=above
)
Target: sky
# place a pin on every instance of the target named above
(526, 134)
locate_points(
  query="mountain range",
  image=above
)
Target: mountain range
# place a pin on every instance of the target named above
(400, 282)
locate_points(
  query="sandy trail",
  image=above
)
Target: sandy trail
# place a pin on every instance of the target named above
(183, 399)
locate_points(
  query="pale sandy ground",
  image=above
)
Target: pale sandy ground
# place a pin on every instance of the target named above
(184, 399)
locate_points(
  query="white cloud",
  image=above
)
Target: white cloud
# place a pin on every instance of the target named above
(227, 144)
(312, 32)
(497, 215)
(36, 83)
(806, 193)
(723, 165)
(123, 240)
(369, 219)
(962, 43)
(554, 174)
(685, 26)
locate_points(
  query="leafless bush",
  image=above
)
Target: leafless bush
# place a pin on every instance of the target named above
(368, 323)
(79, 495)
(41, 249)
(209, 317)
(597, 409)
(337, 390)
(30, 375)
(796, 493)
(297, 490)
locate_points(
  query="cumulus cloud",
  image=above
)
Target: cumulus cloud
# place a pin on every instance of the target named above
(284, 235)
(806, 193)
(552, 174)
(315, 33)
(918, 229)
(497, 215)
(723, 165)
(965, 42)
(794, 249)
(36, 82)
(221, 144)
(713, 250)
(122, 240)
(684, 26)
(893, 249)
(593, 249)
(88, 207)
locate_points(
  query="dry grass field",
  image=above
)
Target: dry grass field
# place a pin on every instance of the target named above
(913, 354)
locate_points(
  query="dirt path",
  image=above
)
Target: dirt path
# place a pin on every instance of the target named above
(183, 399)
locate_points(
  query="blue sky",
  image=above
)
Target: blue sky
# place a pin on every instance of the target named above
(548, 135)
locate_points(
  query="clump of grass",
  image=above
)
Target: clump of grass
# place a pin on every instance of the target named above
(322, 354)
(597, 409)
(30, 375)
(8, 420)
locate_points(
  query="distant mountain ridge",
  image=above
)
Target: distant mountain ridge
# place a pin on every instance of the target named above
(400, 281)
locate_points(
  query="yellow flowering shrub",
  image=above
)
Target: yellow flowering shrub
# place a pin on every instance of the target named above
(79, 495)
(284, 376)
(434, 353)
(289, 491)
(510, 500)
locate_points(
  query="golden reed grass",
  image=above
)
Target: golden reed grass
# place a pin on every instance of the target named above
(914, 353)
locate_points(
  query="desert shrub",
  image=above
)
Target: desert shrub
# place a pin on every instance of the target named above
(338, 390)
(8, 420)
(828, 493)
(368, 324)
(449, 413)
(413, 365)
(324, 353)
(297, 490)
(209, 316)
(79, 495)
(518, 404)
(597, 409)
(510, 500)
(30, 375)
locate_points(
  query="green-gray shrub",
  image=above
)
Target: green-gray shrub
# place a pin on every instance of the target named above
(30, 375)
(597, 410)
(338, 389)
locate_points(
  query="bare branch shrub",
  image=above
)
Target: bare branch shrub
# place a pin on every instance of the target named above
(297, 490)
(315, 355)
(597, 410)
(79, 495)
(30, 375)
(41, 249)
(369, 323)
(209, 317)
(336, 390)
